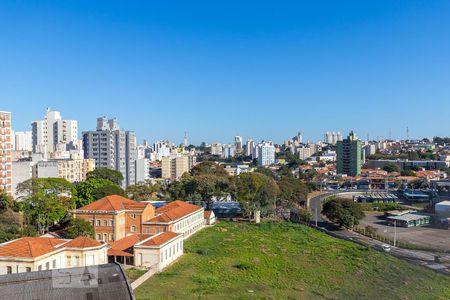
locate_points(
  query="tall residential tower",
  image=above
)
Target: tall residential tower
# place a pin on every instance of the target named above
(349, 155)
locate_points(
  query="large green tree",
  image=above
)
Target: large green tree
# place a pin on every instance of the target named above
(143, 191)
(256, 191)
(93, 189)
(209, 167)
(79, 227)
(103, 173)
(46, 200)
(345, 212)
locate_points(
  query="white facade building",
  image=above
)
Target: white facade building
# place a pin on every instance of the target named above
(23, 141)
(266, 154)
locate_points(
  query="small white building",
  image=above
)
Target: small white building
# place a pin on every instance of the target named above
(151, 251)
(210, 217)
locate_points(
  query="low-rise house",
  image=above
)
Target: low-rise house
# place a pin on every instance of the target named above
(210, 217)
(29, 254)
(176, 216)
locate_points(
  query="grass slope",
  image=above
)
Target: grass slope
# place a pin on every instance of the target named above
(287, 261)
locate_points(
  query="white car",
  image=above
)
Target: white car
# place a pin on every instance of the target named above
(386, 248)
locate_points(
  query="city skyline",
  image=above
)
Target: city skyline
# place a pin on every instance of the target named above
(216, 70)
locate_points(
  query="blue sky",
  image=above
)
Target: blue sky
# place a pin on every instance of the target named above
(261, 69)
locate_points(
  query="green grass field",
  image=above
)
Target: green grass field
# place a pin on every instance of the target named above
(133, 274)
(287, 261)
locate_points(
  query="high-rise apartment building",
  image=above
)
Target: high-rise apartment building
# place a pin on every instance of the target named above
(228, 151)
(332, 137)
(23, 141)
(238, 143)
(112, 148)
(52, 131)
(174, 167)
(5, 151)
(249, 147)
(266, 154)
(349, 155)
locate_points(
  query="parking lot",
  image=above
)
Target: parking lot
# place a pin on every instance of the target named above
(425, 236)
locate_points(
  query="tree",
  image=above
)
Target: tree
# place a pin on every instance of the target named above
(103, 173)
(46, 200)
(79, 227)
(256, 191)
(6, 201)
(293, 192)
(108, 190)
(408, 173)
(143, 191)
(92, 189)
(209, 167)
(391, 168)
(344, 212)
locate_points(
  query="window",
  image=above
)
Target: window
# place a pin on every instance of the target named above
(133, 228)
(111, 222)
(40, 268)
(69, 261)
(54, 264)
(162, 257)
(156, 230)
(92, 222)
(47, 265)
(105, 222)
(8, 269)
(28, 269)
(133, 216)
(105, 237)
(77, 260)
(111, 237)
(98, 222)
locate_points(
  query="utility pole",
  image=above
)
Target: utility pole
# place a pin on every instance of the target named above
(395, 232)
(316, 215)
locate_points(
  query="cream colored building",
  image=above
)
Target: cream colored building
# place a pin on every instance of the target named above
(29, 254)
(174, 167)
(73, 170)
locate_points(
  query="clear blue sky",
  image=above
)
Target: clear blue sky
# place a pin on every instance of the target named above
(219, 68)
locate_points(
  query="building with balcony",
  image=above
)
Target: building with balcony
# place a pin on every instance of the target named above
(5, 151)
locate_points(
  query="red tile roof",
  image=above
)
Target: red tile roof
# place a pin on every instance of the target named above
(173, 211)
(159, 239)
(29, 247)
(128, 241)
(83, 242)
(113, 203)
(115, 252)
(207, 214)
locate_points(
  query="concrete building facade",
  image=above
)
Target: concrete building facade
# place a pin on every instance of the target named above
(5, 152)
(349, 155)
(112, 148)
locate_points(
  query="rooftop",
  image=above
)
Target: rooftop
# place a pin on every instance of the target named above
(113, 203)
(173, 211)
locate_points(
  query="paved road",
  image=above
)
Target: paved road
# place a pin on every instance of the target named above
(423, 258)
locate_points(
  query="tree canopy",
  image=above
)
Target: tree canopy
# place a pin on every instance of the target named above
(78, 227)
(103, 173)
(344, 212)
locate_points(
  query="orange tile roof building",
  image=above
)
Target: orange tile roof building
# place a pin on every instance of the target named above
(5, 151)
(29, 254)
(114, 217)
(176, 216)
(155, 251)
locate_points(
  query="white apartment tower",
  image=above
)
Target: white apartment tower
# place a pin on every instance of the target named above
(266, 154)
(53, 131)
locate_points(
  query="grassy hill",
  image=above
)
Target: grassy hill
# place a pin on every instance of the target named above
(287, 261)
